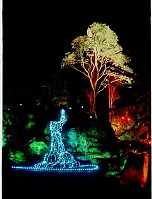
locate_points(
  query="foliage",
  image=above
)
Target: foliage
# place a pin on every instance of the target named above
(26, 113)
(4, 139)
(99, 57)
(16, 156)
(7, 117)
(30, 116)
(84, 144)
(30, 124)
(123, 121)
(31, 121)
(72, 138)
(38, 148)
(117, 167)
(53, 91)
(47, 130)
(8, 121)
(90, 144)
(133, 122)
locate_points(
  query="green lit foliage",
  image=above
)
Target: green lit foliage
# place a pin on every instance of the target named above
(7, 117)
(47, 130)
(16, 156)
(84, 143)
(30, 116)
(105, 154)
(18, 123)
(38, 148)
(8, 121)
(117, 167)
(90, 144)
(99, 57)
(46, 137)
(31, 122)
(126, 136)
(72, 139)
(4, 139)
(25, 129)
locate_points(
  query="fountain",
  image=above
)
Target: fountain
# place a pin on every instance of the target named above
(58, 159)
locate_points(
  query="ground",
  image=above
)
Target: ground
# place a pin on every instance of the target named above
(19, 184)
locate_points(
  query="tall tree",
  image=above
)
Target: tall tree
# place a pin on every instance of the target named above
(98, 56)
(113, 95)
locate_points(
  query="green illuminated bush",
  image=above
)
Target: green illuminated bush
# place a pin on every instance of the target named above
(38, 148)
(8, 121)
(16, 156)
(117, 167)
(72, 138)
(30, 124)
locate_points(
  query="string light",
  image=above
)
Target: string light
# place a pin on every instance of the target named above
(58, 159)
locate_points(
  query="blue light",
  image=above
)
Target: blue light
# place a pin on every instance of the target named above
(58, 159)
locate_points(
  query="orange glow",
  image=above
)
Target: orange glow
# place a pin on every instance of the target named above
(144, 176)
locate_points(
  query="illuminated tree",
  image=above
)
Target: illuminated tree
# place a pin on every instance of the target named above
(98, 56)
(113, 95)
(91, 144)
(132, 126)
(123, 121)
(143, 130)
(134, 119)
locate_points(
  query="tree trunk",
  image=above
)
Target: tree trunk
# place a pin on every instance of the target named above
(144, 176)
(94, 105)
(111, 113)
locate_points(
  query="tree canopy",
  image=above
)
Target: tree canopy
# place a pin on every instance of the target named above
(99, 57)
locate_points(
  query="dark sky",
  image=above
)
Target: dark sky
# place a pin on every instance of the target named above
(37, 34)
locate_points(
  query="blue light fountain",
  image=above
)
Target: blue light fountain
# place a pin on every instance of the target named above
(58, 159)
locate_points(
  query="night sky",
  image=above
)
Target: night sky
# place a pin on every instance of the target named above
(37, 34)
